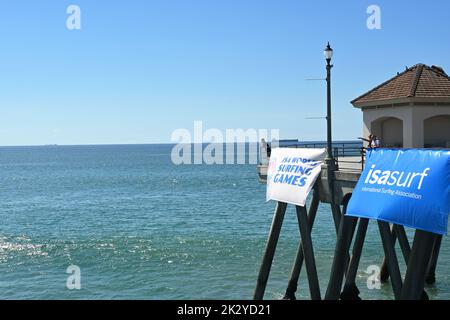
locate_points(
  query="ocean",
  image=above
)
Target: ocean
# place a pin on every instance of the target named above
(139, 227)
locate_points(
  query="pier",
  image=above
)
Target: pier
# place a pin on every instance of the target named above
(410, 110)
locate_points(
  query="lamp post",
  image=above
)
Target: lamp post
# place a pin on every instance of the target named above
(328, 52)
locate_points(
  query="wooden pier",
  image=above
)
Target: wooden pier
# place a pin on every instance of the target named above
(336, 190)
(409, 110)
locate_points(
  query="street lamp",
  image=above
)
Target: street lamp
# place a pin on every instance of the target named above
(328, 52)
(329, 160)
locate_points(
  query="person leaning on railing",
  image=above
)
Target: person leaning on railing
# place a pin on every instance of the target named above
(372, 143)
(369, 141)
(376, 143)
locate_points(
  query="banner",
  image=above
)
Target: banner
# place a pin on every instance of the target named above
(292, 172)
(409, 187)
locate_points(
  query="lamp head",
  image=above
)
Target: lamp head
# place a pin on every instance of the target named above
(328, 52)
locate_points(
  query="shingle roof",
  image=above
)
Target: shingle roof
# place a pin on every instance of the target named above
(419, 81)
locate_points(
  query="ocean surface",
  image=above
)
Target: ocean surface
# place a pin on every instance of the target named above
(140, 227)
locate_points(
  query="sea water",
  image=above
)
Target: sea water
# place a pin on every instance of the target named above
(139, 227)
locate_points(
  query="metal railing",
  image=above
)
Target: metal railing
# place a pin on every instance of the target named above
(358, 155)
(343, 152)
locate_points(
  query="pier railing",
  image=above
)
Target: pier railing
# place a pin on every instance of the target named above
(348, 155)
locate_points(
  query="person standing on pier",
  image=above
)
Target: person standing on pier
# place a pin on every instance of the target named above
(369, 142)
(376, 143)
(373, 142)
(265, 151)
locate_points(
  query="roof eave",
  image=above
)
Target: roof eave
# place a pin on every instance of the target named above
(400, 101)
(417, 100)
(383, 102)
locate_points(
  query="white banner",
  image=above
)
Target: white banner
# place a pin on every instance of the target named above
(292, 173)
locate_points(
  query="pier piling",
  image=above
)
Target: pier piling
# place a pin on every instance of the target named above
(384, 272)
(387, 239)
(431, 273)
(403, 241)
(350, 291)
(297, 267)
(417, 265)
(338, 269)
(269, 253)
(308, 253)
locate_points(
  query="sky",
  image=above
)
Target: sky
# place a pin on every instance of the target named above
(138, 70)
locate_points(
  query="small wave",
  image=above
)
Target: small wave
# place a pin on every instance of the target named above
(11, 247)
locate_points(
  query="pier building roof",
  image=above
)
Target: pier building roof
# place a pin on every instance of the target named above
(417, 84)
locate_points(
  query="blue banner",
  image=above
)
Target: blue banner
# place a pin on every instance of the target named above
(409, 187)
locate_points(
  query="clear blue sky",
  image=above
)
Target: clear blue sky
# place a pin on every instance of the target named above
(137, 70)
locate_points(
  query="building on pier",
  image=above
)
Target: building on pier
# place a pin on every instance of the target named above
(410, 110)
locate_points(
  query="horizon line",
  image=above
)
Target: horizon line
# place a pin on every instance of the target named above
(153, 143)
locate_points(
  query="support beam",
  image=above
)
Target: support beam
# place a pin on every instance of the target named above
(403, 241)
(308, 253)
(350, 291)
(340, 257)
(391, 258)
(431, 273)
(350, 236)
(384, 272)
(417, 265)
(336, 213)
(297, 267)
(269, 253)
